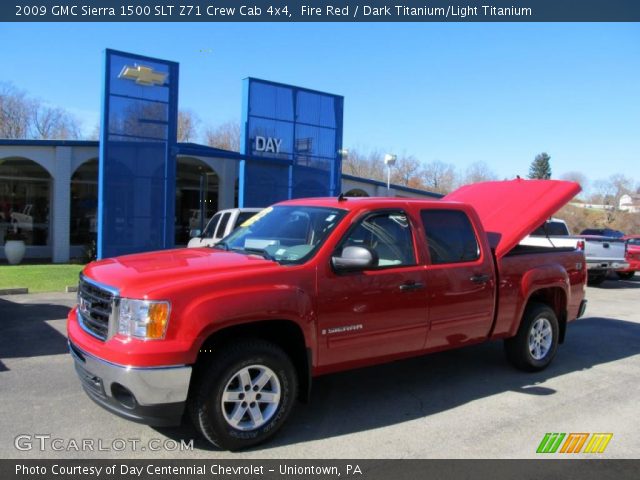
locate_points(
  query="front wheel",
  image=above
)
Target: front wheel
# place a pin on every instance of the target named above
(535, 344)
(245, 396)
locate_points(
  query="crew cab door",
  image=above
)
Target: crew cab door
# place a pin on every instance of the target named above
(378, 311)
(460, 279)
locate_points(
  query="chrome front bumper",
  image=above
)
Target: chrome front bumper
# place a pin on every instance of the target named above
(151, 395)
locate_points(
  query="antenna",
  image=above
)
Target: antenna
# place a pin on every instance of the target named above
(342, 198)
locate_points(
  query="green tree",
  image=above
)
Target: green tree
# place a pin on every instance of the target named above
(541, 167)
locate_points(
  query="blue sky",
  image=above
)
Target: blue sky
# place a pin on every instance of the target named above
(457, 93)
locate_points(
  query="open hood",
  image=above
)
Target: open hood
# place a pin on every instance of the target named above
(512, 209)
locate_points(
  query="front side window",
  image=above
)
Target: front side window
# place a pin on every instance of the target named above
(450, 236)
(286, 234)
(388, 235)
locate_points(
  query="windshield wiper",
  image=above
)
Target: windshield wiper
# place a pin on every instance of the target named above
(221, 246)
(260, 251)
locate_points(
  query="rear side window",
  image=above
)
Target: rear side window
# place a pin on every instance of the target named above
(450, 236)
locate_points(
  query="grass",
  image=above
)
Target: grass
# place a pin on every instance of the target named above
(39, 278)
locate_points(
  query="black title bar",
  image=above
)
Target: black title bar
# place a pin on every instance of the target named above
(320, 11)
(118, 469)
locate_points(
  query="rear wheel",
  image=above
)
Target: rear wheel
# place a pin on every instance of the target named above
(626, 275)
(595, 279)
(245, 396)
(535, 344)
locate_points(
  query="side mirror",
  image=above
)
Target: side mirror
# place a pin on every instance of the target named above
(195, 232)
(354, 259)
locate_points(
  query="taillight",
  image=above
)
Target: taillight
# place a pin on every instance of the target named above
(580, 245)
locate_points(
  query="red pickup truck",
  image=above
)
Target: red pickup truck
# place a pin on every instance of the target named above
(632, 257)
(234, 334)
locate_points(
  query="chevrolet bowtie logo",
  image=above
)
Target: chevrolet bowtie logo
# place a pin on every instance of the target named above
(143, 75)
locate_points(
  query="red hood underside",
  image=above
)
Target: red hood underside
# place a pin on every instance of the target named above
(511, 210)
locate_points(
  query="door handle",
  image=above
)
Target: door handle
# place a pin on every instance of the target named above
(405, 287)
(480, 278)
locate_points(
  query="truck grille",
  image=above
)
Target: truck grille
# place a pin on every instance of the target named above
(95, 306)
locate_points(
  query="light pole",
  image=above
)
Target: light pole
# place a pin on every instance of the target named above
(389, 161)
(343, 155)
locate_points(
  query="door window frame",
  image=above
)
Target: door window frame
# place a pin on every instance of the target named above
(375, 213)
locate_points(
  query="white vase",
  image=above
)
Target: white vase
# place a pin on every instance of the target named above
(14, 251)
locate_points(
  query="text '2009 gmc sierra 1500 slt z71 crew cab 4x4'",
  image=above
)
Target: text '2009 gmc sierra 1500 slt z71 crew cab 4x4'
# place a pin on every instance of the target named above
(232, 335)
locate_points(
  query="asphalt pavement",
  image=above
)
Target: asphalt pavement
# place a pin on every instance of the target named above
(468, 403)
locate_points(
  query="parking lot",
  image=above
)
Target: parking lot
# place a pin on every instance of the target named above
(467, 403)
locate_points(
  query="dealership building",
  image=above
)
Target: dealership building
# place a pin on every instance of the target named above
(138, 189)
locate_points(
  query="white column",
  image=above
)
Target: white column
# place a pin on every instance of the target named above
(59, 213)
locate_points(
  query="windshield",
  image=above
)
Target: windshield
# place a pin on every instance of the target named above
(286, 234)
(634, 241)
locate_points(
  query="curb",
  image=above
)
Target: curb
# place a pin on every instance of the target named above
(13, 291)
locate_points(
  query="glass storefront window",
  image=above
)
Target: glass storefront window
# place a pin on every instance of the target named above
(25, 200)
(192, 176)
(84, 204)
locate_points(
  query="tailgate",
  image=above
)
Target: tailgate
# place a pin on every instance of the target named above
(604, 248)
(512, 209)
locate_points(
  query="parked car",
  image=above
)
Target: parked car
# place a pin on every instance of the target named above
(604, 247)
(22, 220)
(221, 224)
(234, 334)
(605, 250)
(603, 232)
(553, 233)
(632, 257)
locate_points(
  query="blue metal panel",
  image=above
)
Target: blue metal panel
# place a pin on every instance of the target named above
(137, 167)
(291, 139)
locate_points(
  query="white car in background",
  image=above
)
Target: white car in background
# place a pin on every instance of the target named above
(221, 224)
(22, 220)
(554, 233)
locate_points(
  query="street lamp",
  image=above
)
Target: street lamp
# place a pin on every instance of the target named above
(389, 161)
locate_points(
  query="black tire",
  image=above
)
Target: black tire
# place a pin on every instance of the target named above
(625, 275)
(205, 404)
(595, 279)
(517, 348)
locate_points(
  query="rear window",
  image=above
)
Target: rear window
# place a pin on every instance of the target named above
(450, 236)
(551, 228)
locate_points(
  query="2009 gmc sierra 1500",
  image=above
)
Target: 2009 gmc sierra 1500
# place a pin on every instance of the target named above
(234, 334)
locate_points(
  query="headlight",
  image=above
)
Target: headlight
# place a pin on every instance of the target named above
(145, 319)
